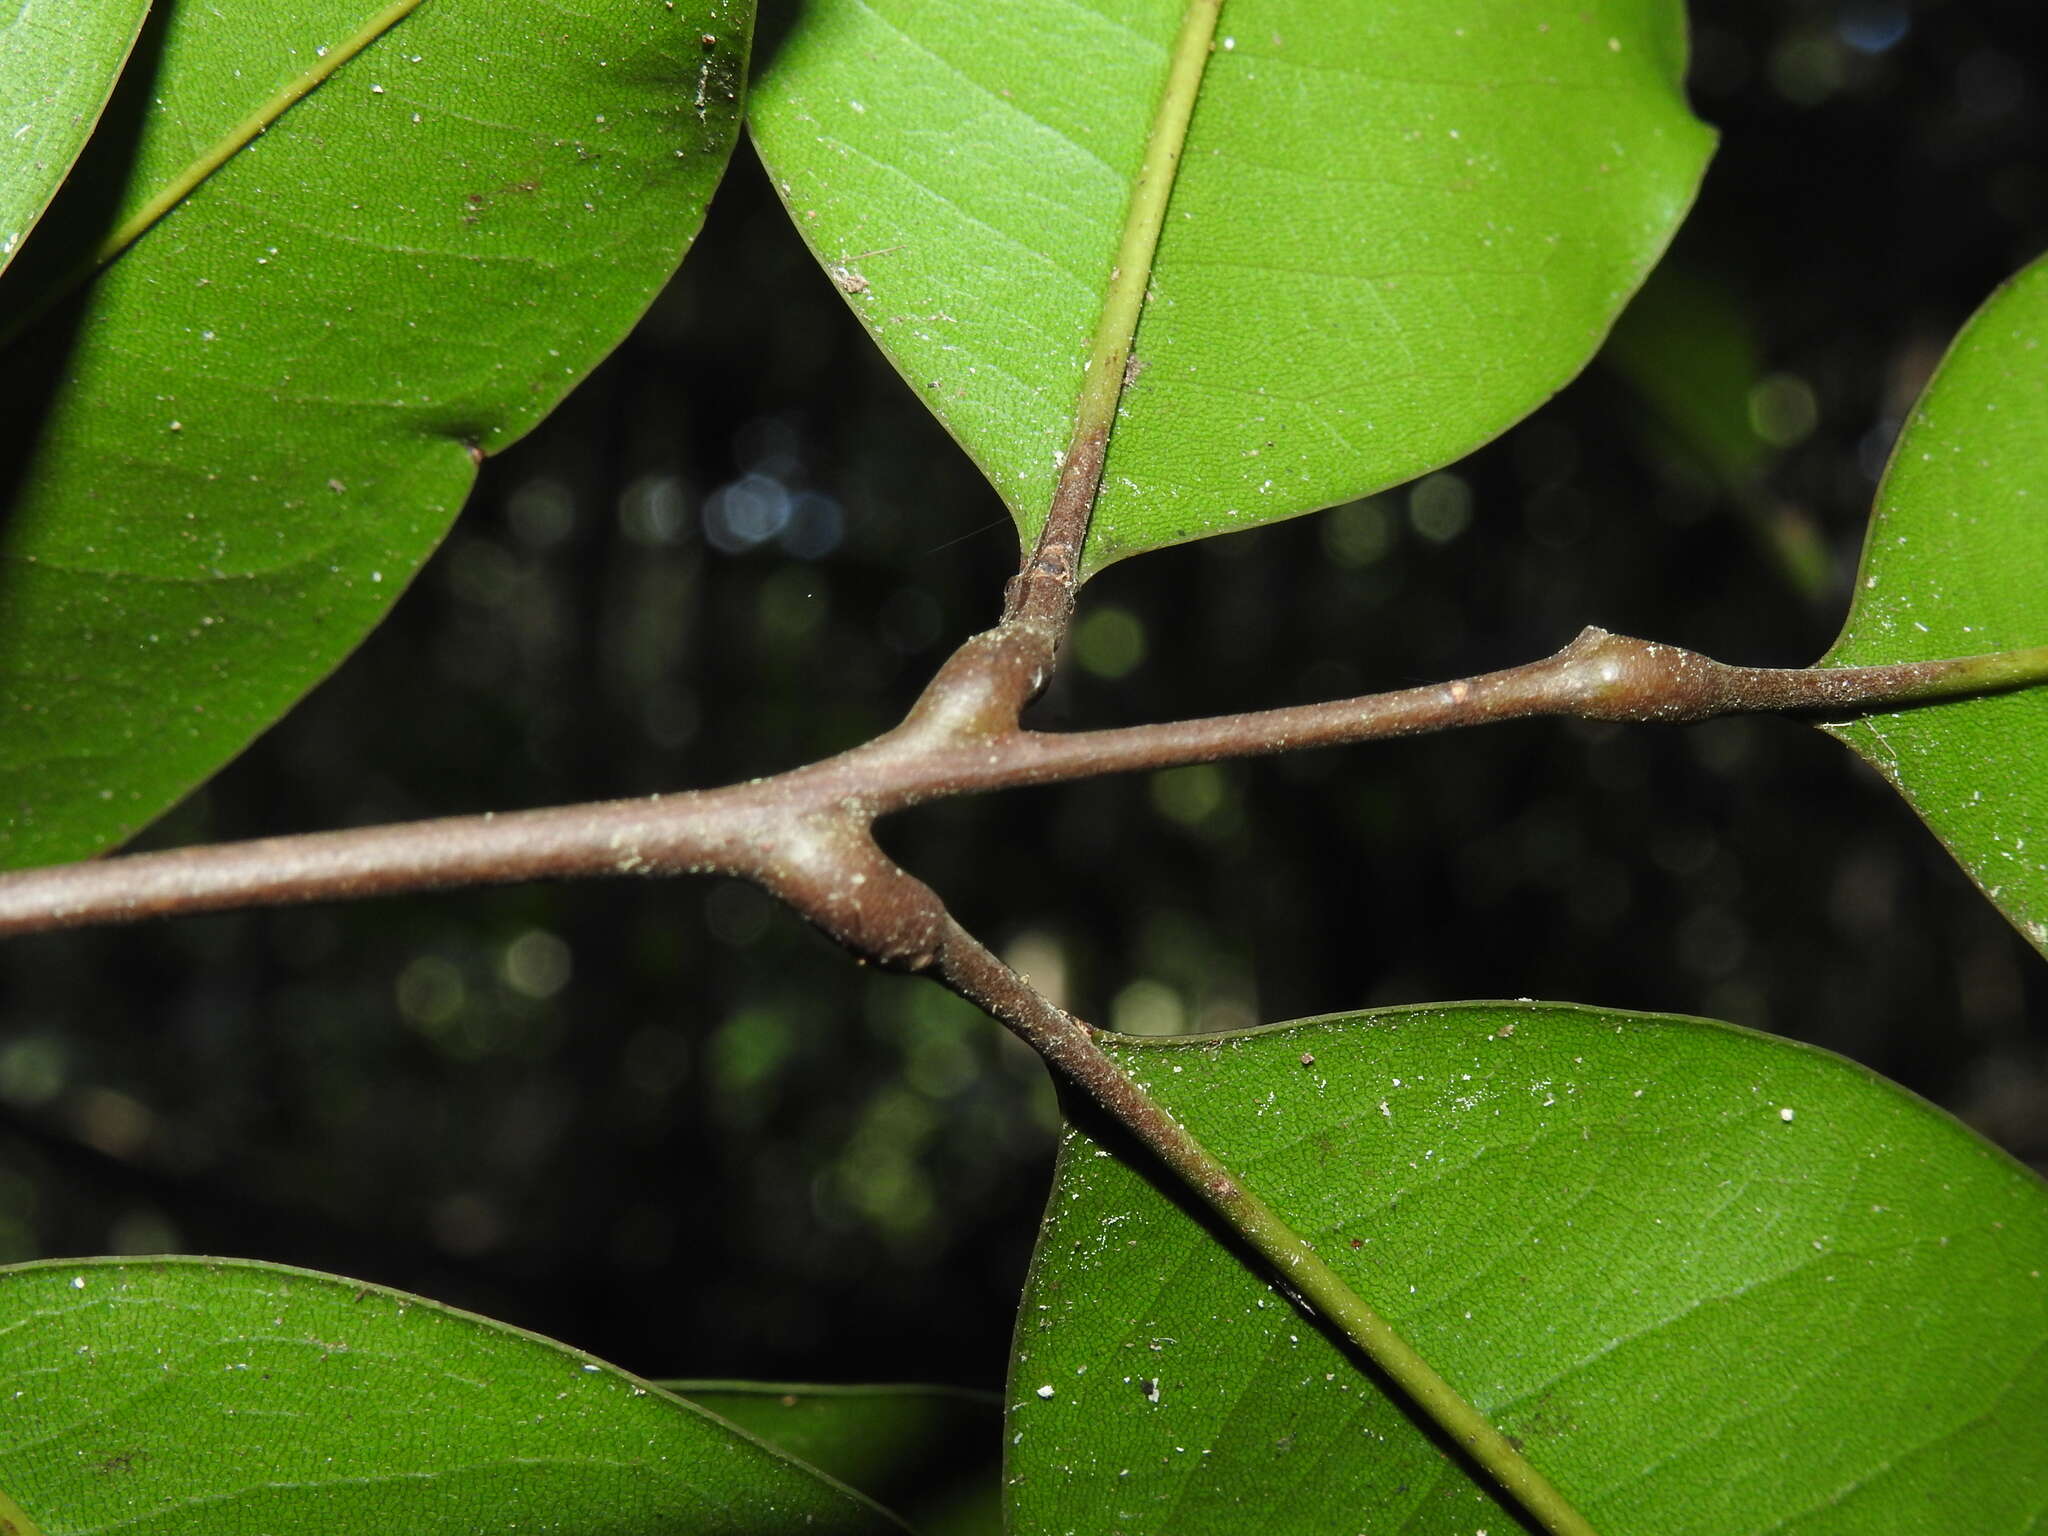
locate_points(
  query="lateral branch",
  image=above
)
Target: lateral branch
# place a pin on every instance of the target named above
(803, 834)
(807, 837)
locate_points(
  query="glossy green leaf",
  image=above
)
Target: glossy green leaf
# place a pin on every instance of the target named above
(1956, 564)
(1396, 228)
(225, 1398)
(58, 63)
(906, 1447)
(240, 442)
(1711, 1281)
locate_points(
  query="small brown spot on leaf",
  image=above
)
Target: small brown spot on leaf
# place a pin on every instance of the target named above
(848, 276)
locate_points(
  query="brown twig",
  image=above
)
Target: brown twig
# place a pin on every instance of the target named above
(807, 836)
(804, 834)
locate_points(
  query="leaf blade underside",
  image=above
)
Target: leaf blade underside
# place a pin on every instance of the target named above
(1956, 564)
(1394, 230)
(231, 1398)
(58, 65)
(1708, 1280)
(239, 441)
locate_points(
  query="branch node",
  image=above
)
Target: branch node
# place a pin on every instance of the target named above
(1617, 677)
(829, 869)
(983, 686)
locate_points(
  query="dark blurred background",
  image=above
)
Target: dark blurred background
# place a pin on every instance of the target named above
(667, 1123)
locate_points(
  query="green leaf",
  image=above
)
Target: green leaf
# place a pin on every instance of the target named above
(225, 1398)
(58, 63)
(1956, 564)
(241, 441)
(903, 1446)
(1396, 228)
(1711, 1281)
